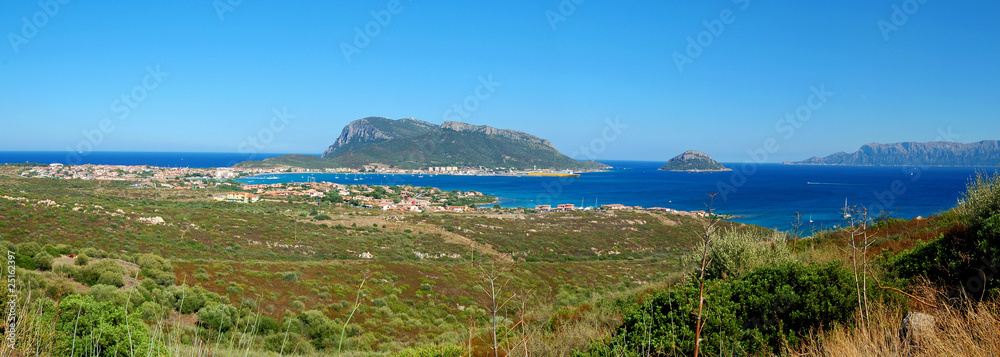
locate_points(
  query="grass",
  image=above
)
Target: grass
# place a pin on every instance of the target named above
(966, 330)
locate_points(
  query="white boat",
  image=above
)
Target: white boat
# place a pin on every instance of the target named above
(846, 213)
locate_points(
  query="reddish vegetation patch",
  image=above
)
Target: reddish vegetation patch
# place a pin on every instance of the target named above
(895, 237)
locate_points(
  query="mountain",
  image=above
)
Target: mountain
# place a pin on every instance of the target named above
(696, 161)
(937, 153)
(374, 130)
(413, 144)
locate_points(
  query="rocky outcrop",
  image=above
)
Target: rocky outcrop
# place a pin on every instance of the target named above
(938, 153)
(358, 131)
(488, 130)
(372, 130)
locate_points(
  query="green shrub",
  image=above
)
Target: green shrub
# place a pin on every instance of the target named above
(111, 278)
(737, 252)
(190, 300)
(221, 317)
(150, 311)
(267, 325)
(754, 314)
(322, 217)
(106, 329)
(323, 332)
(290, 276)
(43, 261)
(82, 259)
(164, 278)
(111, 294)
(153, 262)
(28, 249)
(93, 273)
(783, 303)
(981, 199)
(287, 343)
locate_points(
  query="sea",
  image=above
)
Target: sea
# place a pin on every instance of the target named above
(768, 195)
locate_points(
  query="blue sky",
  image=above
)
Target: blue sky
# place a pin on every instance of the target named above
(560, 70)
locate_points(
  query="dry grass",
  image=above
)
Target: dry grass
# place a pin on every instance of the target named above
(969, 330)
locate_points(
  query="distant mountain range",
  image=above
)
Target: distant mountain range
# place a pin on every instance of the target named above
(695, 161)
(938, 153)
(414, 144)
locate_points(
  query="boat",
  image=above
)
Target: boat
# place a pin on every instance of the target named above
(553, 173)
(847, 213)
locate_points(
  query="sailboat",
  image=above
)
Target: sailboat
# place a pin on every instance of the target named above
(810, 218)
(846, 213)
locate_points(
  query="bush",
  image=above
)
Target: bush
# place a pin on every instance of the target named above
(150, 310)
(165, 278)
(28, 249)
(190, 300)
(754, 314)
(735, 253)
(287, 344)
(267, 325)
(783, 303)
(106, 329)
(290, 276)
(219, 318)
(111, 294)
(82, 259)
(981, 200)
(110, 271)
(43, 261)
(322, 217)
(323, 332)
(111, 278)
(153, 262)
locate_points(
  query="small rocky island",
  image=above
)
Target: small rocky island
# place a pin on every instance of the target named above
(694, 161)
